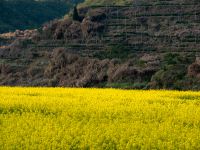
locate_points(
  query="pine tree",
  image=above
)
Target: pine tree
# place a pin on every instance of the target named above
(75, 14)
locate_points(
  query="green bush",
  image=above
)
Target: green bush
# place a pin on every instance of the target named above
(114, 51)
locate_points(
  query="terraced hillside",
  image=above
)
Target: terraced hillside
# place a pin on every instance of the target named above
(147, 27)
(148, 44)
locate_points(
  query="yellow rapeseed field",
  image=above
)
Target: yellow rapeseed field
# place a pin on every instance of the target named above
(67, 118)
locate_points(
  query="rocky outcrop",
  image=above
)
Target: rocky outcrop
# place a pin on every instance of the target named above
(97, 15)
(73, 31)
(91, 28)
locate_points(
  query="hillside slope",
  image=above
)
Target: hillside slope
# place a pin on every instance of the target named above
(148, 45)
(26, 14)
(105, 2)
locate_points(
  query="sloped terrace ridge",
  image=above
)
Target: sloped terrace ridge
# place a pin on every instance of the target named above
(146, 27)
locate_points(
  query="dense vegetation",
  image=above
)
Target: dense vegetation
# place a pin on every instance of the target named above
(99, 46)
(25, 14)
